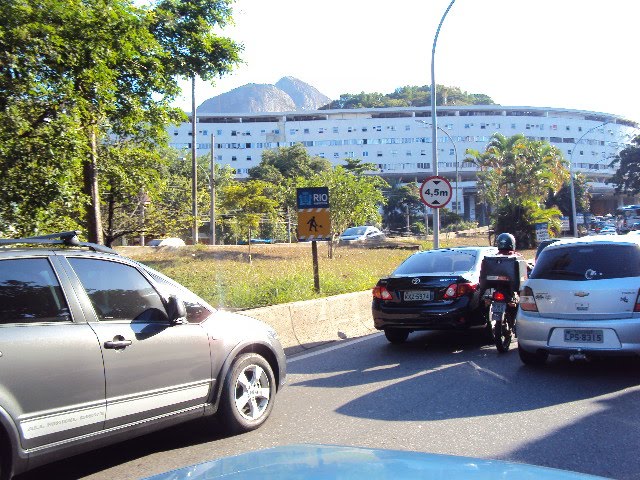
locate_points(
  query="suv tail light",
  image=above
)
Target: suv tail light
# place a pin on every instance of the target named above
(636, 308)
(457, 290)
(381, 292)
(528, 301)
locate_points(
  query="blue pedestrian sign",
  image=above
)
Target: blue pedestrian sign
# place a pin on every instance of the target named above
(313, 197)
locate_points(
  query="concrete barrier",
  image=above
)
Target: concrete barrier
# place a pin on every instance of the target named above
(303, 325)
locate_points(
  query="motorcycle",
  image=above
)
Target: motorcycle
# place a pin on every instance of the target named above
(502, 310)
(500, 279)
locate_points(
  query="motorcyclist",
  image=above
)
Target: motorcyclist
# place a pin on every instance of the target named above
(506, 244)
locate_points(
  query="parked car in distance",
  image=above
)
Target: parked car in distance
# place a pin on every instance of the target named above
(431, 290)
(582, 299)
(166, 242)
(608, 230)
(97, 348)
(361, 234)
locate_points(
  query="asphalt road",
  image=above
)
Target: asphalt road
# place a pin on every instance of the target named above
(437, 393)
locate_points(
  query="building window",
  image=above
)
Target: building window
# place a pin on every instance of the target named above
(175, 132)
(336, 155)
(335, 129)
(233, 133)
(365, 154)
(234, 158)
(306, 130)
(248, 158)
(218, 132)
(379, 153)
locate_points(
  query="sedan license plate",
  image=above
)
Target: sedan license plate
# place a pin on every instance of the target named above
(583, 336)
(418, 296)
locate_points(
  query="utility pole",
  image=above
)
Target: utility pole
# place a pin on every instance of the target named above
(212, 176)
(194, 165)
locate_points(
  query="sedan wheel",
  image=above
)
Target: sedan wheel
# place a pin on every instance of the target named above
(396, 335)
(248, 395)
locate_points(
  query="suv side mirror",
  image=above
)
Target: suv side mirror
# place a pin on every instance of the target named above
(176, 310)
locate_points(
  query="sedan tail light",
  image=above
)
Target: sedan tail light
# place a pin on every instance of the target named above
(528, 301)
(381, 293)
(457, 290)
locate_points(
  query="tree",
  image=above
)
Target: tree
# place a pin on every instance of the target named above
(354, 199)
(246, 203)
(287, 163)
(627, 176)
(515, 177)
(103, 68)
(402, 199)
(356, 166)
(562, 198)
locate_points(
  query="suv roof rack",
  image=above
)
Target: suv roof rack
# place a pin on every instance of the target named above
(69, 239)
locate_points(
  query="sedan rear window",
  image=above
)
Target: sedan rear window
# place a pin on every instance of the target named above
(588, 262)
(437, 261)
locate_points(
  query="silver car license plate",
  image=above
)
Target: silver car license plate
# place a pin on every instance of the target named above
(572, 335)
(418, 296)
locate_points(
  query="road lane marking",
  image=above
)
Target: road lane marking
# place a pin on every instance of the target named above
(487, 371)
(333, 347)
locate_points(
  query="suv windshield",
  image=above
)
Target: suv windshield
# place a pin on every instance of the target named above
(437, 261)
(588, 262)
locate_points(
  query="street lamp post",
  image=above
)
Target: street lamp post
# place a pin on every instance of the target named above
(573, 194)
(434, 126)
(212, 185)
(194, 165)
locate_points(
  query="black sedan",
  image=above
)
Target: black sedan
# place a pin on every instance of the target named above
(431, 290)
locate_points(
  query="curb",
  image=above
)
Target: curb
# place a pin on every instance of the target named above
(307, 324)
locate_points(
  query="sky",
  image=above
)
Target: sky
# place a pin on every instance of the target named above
(576, 54)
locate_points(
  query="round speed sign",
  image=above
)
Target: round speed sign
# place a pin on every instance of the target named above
(435, 191)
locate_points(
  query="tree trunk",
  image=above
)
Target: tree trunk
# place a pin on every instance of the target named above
(90, 170)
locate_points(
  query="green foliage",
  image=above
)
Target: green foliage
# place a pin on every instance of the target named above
(74, 74)
(246, 203)
(403, 199)
(627, 176)
(354, 199)
(285, 163)
(516, 176)
(409, 96)
(562, 198)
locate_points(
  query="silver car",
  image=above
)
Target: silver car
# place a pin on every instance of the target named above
(96, 348)
(581, 299)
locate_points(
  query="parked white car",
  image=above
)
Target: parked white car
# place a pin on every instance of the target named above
(361, 234)
(582, 298)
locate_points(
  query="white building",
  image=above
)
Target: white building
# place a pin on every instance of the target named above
(398, 140)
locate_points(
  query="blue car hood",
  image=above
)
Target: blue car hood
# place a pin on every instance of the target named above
(336, 462)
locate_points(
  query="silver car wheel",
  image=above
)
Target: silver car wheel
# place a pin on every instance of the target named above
(252, 392)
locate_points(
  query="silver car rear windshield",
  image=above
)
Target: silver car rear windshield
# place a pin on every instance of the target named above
(588, 262)
(437, 261)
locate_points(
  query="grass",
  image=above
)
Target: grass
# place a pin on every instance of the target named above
(279, 273)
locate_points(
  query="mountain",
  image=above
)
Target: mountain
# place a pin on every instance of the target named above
(287, 95)
(304, 95)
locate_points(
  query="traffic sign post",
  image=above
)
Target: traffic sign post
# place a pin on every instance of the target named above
(435, 192)
(314, 222)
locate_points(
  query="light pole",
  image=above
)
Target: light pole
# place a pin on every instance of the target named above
(573, 193)
(455, 151)
(194, 165)
(434, 126)
(212, 185)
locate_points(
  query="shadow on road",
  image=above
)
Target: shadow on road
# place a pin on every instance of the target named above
(603, 443)
(438, 376)
(181, 436)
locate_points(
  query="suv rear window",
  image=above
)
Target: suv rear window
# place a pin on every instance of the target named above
(588, 262)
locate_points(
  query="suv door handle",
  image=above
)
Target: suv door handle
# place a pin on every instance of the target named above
(117, 343)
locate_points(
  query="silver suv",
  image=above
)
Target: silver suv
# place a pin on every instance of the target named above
(581, 299)
(96, 348)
